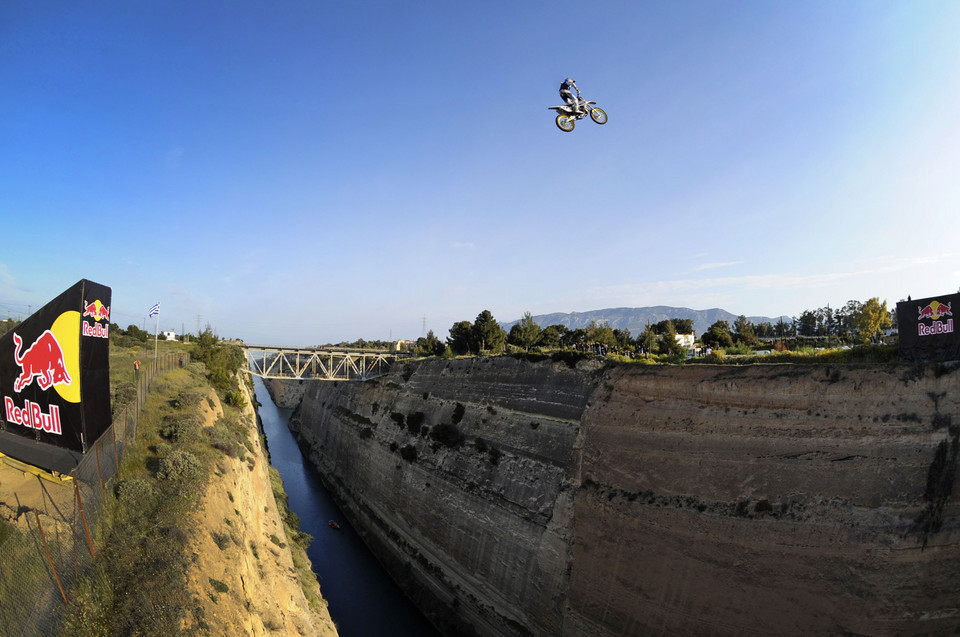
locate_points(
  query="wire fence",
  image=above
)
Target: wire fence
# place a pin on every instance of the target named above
(60, 524)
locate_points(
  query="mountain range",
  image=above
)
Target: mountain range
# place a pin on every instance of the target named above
(636, 319)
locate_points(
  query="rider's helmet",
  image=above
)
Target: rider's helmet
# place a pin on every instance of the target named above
(569, 81)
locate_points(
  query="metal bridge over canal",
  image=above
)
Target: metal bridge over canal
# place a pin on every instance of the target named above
(268, 361)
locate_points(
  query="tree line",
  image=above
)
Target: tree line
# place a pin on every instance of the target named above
(854, 323)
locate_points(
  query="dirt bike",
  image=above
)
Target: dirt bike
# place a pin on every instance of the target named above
(567, 116)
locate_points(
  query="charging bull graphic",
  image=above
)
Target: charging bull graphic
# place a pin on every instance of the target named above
(42, 360)
(55, 379)
(97, 310)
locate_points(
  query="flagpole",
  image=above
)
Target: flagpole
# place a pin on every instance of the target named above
(155, 310)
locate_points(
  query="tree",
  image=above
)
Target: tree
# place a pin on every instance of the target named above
(624, 338)
(717, 335)
(744, 332)
(662, 326)
(668, 341)
(764, 330)
(683, 326)
(487, 334)
(874, 318)
(602, 334)
(553, 335)
(807, 324)
(847, 318)
(461, 337)
(526, 333)
(430, 345)
(577, 337)
(647, 339)
(137, 333)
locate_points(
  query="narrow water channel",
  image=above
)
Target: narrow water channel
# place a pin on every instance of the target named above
(363, 600)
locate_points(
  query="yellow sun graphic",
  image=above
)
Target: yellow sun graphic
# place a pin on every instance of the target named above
(67, 331)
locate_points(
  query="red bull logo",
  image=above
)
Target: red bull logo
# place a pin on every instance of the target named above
(95, 329)
(935, 311)
(31, 416)
(43, 360)
(97, 310)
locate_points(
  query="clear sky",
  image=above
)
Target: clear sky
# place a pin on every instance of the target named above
(310, 172)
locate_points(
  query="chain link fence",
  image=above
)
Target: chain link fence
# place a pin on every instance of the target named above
(61, 522)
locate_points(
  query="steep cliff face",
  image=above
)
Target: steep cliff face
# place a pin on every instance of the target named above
(518, 498)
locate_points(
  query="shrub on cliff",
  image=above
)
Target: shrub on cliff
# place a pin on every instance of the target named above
(408, 453)
(571, 358)
(414, 421)
(179, 466)
(181, 427)
(447, 434)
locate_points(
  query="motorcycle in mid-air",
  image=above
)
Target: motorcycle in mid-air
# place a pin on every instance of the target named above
(567, 116)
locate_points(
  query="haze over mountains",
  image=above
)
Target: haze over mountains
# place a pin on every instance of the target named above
(636, 319)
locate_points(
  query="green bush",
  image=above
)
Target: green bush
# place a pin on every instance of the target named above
(134, 493)
(188, 398)
(179, 466)
(408, 453)
(181, 427)
(222, 540)
(124, 393)
(236, 399)
(218, 586)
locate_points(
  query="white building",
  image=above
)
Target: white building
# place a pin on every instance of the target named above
(170, 336)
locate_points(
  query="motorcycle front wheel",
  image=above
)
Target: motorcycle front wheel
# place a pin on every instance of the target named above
(598, 115)
(565, 123)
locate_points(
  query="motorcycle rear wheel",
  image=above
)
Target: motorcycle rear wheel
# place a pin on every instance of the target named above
(598, 115)
(565, 123)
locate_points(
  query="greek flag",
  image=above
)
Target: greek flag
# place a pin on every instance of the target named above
(155, 310)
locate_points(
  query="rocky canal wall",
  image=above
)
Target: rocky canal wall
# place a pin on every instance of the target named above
(510, 497)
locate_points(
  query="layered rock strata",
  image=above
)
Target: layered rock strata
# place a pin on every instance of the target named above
(516, 498)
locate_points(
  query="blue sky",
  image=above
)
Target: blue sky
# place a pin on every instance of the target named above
(310, 172)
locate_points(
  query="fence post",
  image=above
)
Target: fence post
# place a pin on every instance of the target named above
(49, 558)
(116, 453)
(83, 516)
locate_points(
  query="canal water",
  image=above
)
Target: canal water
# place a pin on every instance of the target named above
(363, 600)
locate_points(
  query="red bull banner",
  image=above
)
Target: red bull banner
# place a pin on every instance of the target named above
(55, 379)
(926, 329)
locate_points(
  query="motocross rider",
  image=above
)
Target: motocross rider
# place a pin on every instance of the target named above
(567, 95)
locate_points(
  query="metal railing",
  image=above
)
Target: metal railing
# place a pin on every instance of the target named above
(301, 364)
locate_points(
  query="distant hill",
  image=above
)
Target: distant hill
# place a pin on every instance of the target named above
(635, 319)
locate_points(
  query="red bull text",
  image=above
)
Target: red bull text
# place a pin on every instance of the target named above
(935, 311)
(32, 417)
(95, 329)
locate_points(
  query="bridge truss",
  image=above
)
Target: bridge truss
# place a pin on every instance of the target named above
(289, 363)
